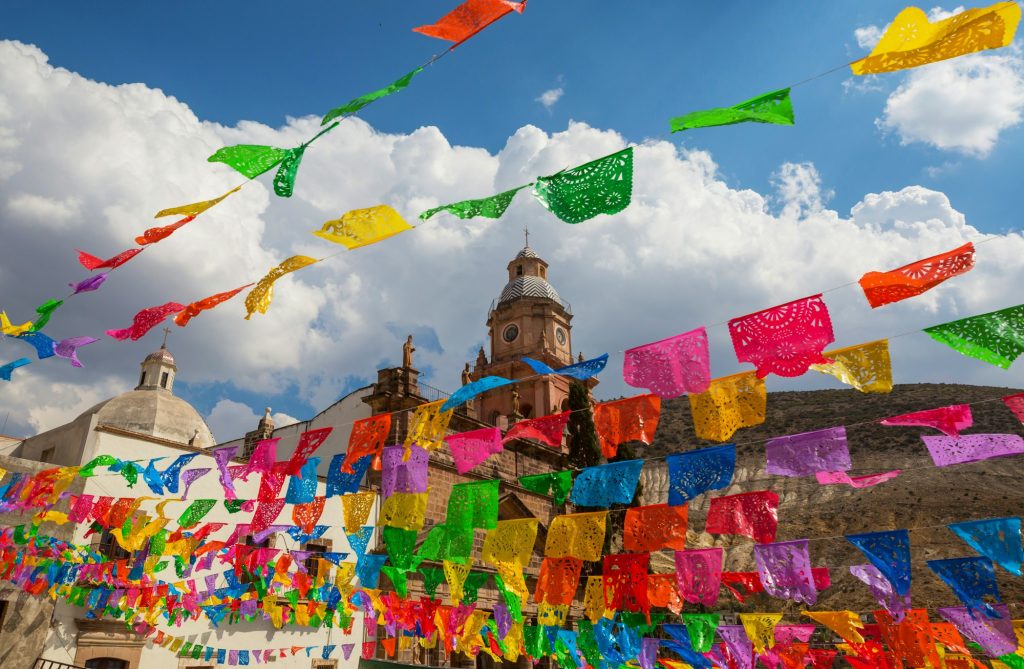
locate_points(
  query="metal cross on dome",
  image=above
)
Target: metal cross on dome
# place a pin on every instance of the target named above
(167, 331)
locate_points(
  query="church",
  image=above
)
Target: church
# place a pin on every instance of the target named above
(528, 319)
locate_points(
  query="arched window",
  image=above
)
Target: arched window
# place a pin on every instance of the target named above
(106, 663)
(142, 379)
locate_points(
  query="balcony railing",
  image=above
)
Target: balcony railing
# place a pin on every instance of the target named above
(53, 664)
(432, 394)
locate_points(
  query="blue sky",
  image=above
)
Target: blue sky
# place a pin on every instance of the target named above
(623, 68)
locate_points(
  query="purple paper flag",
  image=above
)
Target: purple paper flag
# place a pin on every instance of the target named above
(222, 455)
(648, 652)
(808, 453)
(994, 635)
(741, 648)
(882, 590)
(947, 451)
(785, 570)
(346, 649)
(190, 476)
(404, 476)
(502, 619)
(90, 284)
(68, 348)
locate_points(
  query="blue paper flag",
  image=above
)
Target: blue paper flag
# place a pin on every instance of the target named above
(996, 538)
(617, 642)
(302, 488)
(971, 579)
(171, 476)
(368, 569)
(340, 483)
(567, 638)
(297, 534)
(328, 649)
(890, 553)
(360, 540)
(580, 370)
(5, 371)
(604, 485)
(471, 390)
(43, 345)
(695, 472)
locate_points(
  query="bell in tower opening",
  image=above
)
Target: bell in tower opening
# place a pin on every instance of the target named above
(528, 320)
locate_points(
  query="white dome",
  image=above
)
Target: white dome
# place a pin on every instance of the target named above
(157, 413)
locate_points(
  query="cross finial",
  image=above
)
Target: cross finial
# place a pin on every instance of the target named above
(526, 229)
(167, 331)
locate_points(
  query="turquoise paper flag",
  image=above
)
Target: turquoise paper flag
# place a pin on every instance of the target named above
(996, 538)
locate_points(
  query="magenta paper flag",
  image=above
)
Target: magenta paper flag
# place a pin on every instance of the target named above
(699, 575)
(1015, 403)
(90, 284)
(308, 443)
(947, 451)
(741, 648)
(789, 633)
(262, 458)
(882, 590)
(68, 348)
(867, 481)
(994, 635)
(785, 570)
(670, 367)
(222, 455)
(146, 320)
(470, 449)
(408, 476)
(948, 420)
(785, 340)
(808, 453)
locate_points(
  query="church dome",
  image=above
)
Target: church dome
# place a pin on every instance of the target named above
(528, 286)
(161, 355)
(157, 413)
(527, 252)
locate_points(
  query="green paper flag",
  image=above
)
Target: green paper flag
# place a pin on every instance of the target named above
(251, 160)
(602, 186)
(432, 577)
(587, 643)
(996, 338)
(488, 207)
(471, 587)
(353, 106)
(447, 543)
(473, 505)
(535, 641)
(774, 107)
(557, 484)
(89, 469)
(195, 512)
(233, 505)
(398, 578)
(701, 627)
(284, 180)
(400, 544)
(1013, 661)
(512, 601)
(45, 310)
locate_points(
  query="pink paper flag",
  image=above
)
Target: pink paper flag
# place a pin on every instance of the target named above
(670, 367)
(262, 459)
(784, 340)
(832, 478)
(265, 514)
(146, 320)
(469, 449)
(699, 575)
(1016, 404)
(947, 451)
(948, 420)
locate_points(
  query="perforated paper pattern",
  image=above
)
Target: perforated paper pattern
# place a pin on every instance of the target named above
(994, 635)
(624, 578)
(911, 40)
(785, 340)
(602, 186)
(1014, 403)
(192, 310)
(695, 472)
(353, 106)
(740, 648)
(652, 528)
(404, 510)
(785, 570)
(362, 227)
(428, 426)
(473, 448)
(808, 453)
(579, 535)
(143, 322)
(750, 514)
(881, 288)
(487, 207)
(881, 589)
(730, 403)
(468, 19)
(999, 539)
(92, 263)
(701, 628)
(972, 580)
(946, 451)
(996, 338)
(948, 420)
(604, 485)
(630, 419)
(699, 575)
(889, 552)
(662, 592)
(866, 367)
(866, 481)
(473, 505)
(547, 430)
(511, 541)
(558, 580)
(557, 484)
(760, 629)
(670, 367)
(260, 297)
(251, 160)
(306, 515)
(355, 509)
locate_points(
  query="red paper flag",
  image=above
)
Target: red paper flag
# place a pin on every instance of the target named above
(784, 340)
(192, 310)
(469, 18)
(948, 420)
(750, 514)
(146, 320)
(1015, 403)
(153, 235)
(547, 429)
(558, 580)
(367, 438)
(266, 513)
(883, 288)
(630, 419)
(624, 579)
(91, 262)
(308, 443)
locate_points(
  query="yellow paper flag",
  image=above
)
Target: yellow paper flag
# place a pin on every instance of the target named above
(510, 542)
(593, 600)
(362, 227)
(760, 629)
(355, 510)
(404, 510)
(911, 40)
(455, 574)
(728, 404)
(578, 535)
(551, 615)
(866, 367)
(13, 330)
(846, 624)
(428, 427)
(260, 297)
(195, 208)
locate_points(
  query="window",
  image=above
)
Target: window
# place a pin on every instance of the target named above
(312, 563)
(106, 663)
(108, 547)
(47, 454)
(325, 664)
(142, 379)
(164, 378)
(3, 612)
(519, 270)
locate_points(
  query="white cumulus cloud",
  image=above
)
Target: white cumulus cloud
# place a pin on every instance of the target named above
(230, 420)
(549, 97)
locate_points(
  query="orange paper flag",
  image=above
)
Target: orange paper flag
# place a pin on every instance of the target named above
(881, 288)
(191, 311)
(652, 528)
(469, 18)
(630, 419)
(153, 235)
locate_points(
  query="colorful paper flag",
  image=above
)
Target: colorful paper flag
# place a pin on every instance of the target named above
(785, 570)
(730, 403)
(911, 40)
(699, 575)
(468, 19)
(196, 208)
(670, 367)
(946, 451)
(404, 475)
(472, 389)
(881, 288)
(775, 108)
(146, 320)
(889, 552)
(948, 420)
(154, 235)
(866, 367)
(45, 311)
(604, 485)
(487, 207)
(996, 338)
(866, 481)
(13, 330)
(579, 370)
(995, 635)
(90, 284)
(8, 369)
(629, 419)
(92, 263)
(998, 539)
(750, 514)
(624, 577)
(647, 529)
(362, 227)
(972, 580)
(808, 453)
(192, 310)
(579, 535)
(557, 484)
(43, 345)
(473, 448)
(602, 186)
(260, 297)
(785, 340)
(68, 348)
(1015, 403)
(547, 429)
(428, 426)
(353, 106)
(882, 589)
(695, 472)
(252, 160)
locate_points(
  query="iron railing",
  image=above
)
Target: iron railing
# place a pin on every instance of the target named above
(53, 664)
(432, 394)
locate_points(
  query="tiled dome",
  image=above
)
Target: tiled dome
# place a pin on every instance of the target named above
(528, 286)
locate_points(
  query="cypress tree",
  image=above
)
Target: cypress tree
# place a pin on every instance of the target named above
(584, 448)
